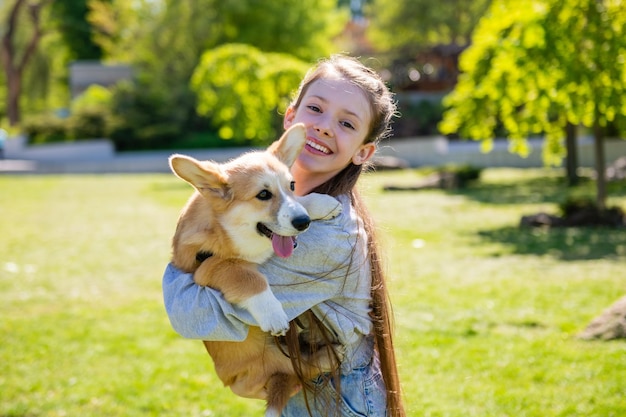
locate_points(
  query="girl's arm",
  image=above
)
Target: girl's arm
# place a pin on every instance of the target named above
(197, 312)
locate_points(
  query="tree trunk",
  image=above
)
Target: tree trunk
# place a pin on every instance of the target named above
(571, 160)
(598, 142)
(14, 68)
(14, 83)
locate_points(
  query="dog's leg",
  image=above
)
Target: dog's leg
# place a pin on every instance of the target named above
(280, 387)
(242, 284)
(320, 206)
(268, 312)
(250, 385)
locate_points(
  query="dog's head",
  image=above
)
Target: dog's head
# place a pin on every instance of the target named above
(252, 196)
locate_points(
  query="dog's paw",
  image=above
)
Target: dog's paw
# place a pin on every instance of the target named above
(328, 208)
(268, 313)
(276, 326)
(335, 210)
(321, 206)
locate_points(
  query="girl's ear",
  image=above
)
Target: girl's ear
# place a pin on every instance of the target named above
(290, 114)
(364, 153)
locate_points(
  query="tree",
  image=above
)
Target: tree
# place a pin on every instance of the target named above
(534, 67)
(408, 25)
(302, 28)
(165, 39)
(71, 19)
(243, 90)
(15, 59)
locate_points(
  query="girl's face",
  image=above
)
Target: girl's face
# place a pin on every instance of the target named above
(338, 117)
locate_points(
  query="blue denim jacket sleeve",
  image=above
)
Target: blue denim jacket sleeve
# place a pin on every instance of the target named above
(197, 312)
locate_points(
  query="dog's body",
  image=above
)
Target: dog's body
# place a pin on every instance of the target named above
(241, 213)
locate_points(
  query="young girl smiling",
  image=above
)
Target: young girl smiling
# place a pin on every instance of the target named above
(333, 285)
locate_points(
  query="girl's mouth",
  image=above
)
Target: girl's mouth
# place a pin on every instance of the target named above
(314, 146)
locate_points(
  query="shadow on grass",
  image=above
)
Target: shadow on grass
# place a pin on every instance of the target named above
(539, 190)
(573, 243)
(568, 244)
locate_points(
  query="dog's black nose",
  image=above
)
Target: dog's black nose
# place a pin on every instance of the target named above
(301, 223)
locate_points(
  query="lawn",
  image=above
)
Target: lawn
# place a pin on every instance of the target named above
(486, 312)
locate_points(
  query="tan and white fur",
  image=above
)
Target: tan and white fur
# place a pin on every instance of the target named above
(241, 213)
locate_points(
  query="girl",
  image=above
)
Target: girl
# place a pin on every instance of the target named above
(333, 284)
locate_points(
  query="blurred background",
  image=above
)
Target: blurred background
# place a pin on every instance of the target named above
(544, 79)
(150, 73)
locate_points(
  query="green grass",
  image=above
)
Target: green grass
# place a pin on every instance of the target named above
(486, 312)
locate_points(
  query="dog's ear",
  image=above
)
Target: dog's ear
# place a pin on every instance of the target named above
(290, 144)
(205, 176)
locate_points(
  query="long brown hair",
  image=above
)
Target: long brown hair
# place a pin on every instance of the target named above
(383, 109)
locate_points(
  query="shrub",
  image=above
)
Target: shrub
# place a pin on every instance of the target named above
(143, 118)
(44, 128)
(242, 90)
(584, 211)
(94, 97)
(466, 173)
(575, 204)
(418, 118)
(89, 123)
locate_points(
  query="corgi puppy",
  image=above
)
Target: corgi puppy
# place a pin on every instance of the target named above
(241, 213)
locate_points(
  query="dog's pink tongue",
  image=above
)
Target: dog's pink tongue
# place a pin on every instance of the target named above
(283, 245)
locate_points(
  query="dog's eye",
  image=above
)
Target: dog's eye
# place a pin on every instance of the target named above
(264, 195)
(292, 186)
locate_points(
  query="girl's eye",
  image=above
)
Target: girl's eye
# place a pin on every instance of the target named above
(314, 108)
(348, 125)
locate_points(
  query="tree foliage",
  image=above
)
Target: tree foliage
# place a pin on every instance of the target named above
(302, 28)
(536, 66)
(164, 41)
(243, 90)
(168, 36)
(116, 24)
(70, 17)
(407, 25)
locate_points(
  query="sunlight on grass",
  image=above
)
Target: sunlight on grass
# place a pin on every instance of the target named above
(486, 312)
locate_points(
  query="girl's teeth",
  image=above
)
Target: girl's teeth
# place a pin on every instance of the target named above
(318, 147)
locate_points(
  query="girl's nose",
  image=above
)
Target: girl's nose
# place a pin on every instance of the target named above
(322, 126)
